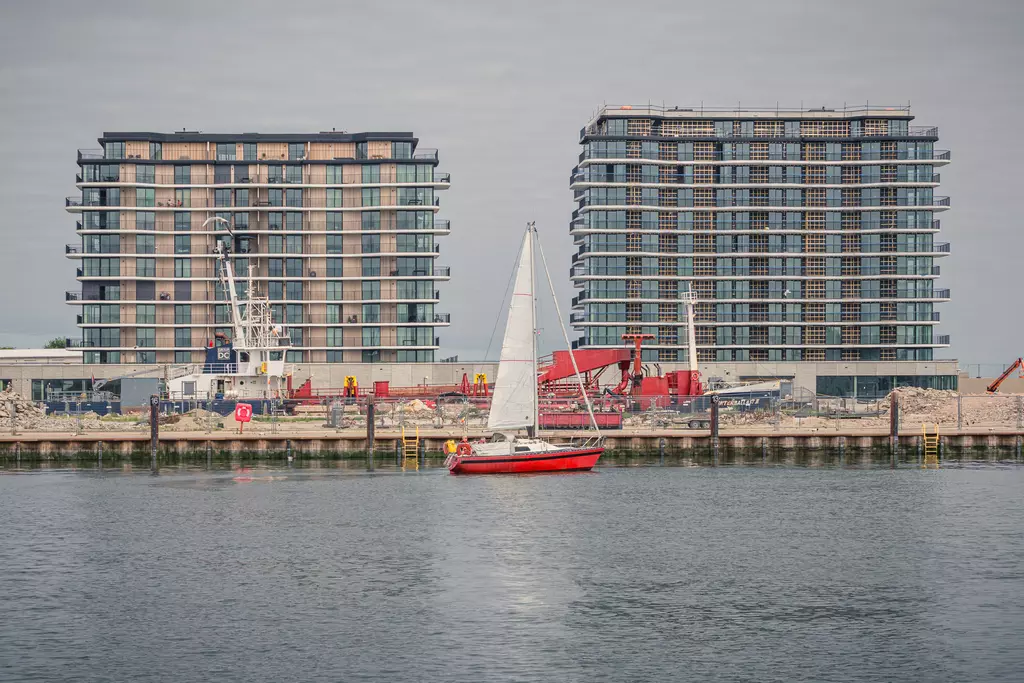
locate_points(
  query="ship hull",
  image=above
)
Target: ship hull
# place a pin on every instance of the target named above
(564, 460)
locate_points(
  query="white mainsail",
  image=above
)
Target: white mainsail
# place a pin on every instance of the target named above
(513, 404)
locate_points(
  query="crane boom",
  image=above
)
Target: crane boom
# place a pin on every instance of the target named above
(994, 387)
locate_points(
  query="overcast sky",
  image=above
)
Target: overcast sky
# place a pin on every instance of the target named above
(502, 89)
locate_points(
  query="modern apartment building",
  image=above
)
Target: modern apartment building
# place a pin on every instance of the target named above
(339, 231)
(806, 235)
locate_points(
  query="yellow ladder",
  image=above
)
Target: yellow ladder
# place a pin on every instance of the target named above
(931, 446)
(411, 450)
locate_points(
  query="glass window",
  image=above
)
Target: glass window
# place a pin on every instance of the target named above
(145, 244)
(145, 336)
(293, 267)
(296, 151)
(334, 244)
(249, 151)
(293, 174)
(182, 267)
(293, 291)
(182, 244)
(275, 173)
(145, 267)
(156, 151)
(334, 291)
(113, 150)
(293, 220)
(335, 174)
(182, 220)
(334, 198)
(183, 197)
(371, 313)
(371, 290)
(293, 197)
(371, 336)
(182, 356)
(334, 267)
(401, 150)
(145, 196)
(371, 173)
(371, 267)
(145, 357)
(370, 244)
(334, 221)
(371, 220)
(145, 220)
(182, 314)
(226, 151)
(145, 314)
(361, 150)
(335, 335)
(145, 173)
(222, 197)
(182, 336)
(275, 267)
(293, 244)
(371, 196)
(182, 175)
(371, 356)
(275, 244)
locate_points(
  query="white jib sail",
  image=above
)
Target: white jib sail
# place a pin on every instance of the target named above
(512, 405)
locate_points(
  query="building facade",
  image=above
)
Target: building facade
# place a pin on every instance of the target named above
(338, 230)
(806, 235)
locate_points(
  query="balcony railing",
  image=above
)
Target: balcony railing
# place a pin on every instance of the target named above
(90, 154)
(199, 176)
(942, 339)
(941, 247)
(937, 155)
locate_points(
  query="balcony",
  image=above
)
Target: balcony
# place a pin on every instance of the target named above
(427, 153)
(942, 247)
(938, 294)
(942, 339)
(941, 201)
(90, 154)
(72, 248)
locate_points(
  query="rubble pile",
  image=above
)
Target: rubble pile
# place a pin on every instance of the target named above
(28, 414)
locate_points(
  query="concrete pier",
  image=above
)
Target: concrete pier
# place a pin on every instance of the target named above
(353, 443)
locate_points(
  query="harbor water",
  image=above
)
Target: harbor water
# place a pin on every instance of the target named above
(624, 574)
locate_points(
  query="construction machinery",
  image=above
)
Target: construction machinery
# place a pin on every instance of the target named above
(248, 367)
(1015, 365)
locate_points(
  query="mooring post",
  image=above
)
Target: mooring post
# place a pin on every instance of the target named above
(714, 426)
(661, 451)
(422, 446)
(99, 454)
(17, 455)
(842, 450)
(370, 413)
(154, 430)
(288, 451)
(209, 455)
(398, 452)
(942, 450)
(1018, 441)
(764, 449)
(894, 421)
(920, 449)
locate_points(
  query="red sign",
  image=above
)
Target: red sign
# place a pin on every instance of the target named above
(243, 412)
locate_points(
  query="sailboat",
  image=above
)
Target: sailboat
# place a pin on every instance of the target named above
(514, 402)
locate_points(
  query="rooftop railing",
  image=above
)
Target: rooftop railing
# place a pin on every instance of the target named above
(199, 176)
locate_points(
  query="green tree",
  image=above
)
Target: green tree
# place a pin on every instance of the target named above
(57, 343)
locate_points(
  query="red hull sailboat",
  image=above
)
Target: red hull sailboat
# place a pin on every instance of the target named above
(514, 401)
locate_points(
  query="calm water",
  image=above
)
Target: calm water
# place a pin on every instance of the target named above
(660, 574)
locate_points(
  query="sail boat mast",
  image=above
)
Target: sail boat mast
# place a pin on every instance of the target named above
(531, 232)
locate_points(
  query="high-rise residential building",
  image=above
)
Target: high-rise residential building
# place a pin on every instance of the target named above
(339, 231)
(806, 235)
